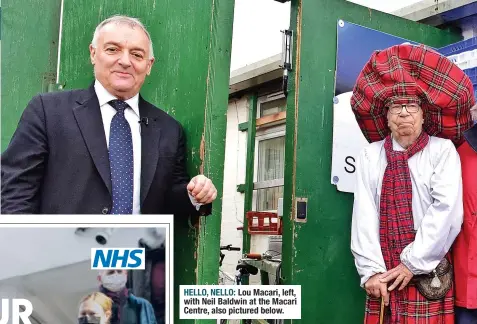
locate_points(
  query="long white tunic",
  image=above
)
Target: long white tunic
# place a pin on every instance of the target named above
(436, 204)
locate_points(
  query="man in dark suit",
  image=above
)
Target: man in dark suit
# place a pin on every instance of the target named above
(103, 149)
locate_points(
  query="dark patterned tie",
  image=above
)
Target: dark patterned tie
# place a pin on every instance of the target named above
(121, 160)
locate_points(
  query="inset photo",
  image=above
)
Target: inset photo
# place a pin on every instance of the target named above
(104, 273)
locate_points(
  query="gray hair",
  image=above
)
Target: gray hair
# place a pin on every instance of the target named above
(473, 112)
(132, 22)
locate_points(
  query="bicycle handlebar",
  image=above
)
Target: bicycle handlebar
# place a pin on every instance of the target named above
(256, 256)
(229, 248)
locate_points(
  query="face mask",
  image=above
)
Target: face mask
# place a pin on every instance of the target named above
(89, 320)
(114, 282)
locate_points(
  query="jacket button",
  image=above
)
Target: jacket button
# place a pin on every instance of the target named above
(105, 210)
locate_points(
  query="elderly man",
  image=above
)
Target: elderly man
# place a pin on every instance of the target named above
(465, 246)
(126, 307)
(103, 149)
(411, 103)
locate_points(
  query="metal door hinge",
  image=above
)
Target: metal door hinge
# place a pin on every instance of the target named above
(287, 57)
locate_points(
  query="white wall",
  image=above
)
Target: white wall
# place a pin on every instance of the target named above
(234, 174)
(233, 201)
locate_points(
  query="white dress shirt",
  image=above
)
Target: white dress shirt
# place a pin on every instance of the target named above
(133, 118)
(436, 205)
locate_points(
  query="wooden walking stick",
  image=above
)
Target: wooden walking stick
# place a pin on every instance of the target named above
(381, 313)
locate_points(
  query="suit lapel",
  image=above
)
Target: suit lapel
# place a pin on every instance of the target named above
(150, 136)
(90, 122)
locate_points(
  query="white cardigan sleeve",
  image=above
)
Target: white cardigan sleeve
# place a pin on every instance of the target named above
(365, 244)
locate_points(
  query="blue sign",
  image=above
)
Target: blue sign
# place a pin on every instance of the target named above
(355, 46)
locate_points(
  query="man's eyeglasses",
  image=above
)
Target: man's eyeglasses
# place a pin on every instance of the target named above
(410, 108)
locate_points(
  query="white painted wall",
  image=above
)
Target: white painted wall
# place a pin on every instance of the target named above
(233, 201)
(234, 174)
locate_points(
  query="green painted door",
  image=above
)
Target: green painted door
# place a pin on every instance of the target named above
(317, 253)
(189, 80)
(29, 56)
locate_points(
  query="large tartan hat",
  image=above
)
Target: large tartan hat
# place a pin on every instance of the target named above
(413, 74)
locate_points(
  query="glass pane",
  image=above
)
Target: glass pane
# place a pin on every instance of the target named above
(271, 158)
(273, 107)
(267, 199)
(271, 166)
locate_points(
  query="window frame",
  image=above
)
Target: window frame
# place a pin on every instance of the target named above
(267, 98)
(262, 134)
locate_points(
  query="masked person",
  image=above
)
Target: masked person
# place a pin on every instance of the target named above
(413, 104)
(95, 309)
(127, 308)
(465, 246)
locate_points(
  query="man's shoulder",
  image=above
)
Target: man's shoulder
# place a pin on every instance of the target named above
(440, 144)
(372, 151)
(138, 300)
(61, 95)
(59, 100)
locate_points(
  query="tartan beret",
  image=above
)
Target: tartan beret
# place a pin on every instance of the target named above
(413, 74)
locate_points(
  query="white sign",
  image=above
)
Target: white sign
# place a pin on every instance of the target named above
(118, 258)
(240, 302)
(348, 140)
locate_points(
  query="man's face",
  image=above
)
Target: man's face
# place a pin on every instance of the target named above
(405, 121)
(121, 59)
(113, 280)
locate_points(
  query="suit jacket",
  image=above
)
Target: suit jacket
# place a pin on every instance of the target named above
(58, 163)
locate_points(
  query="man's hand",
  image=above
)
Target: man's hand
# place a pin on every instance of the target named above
(202, 189)
(402, 275)
(375, 288)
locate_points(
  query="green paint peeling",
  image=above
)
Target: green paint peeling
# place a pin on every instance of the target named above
(221, 24)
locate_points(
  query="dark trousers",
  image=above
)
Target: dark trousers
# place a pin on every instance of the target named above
(465, 316)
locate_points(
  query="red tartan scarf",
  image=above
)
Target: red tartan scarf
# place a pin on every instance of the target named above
(396, 220)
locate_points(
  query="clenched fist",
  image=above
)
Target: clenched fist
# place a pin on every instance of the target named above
(202, 189)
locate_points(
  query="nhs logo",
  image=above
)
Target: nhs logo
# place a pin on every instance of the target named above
(120, 258)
